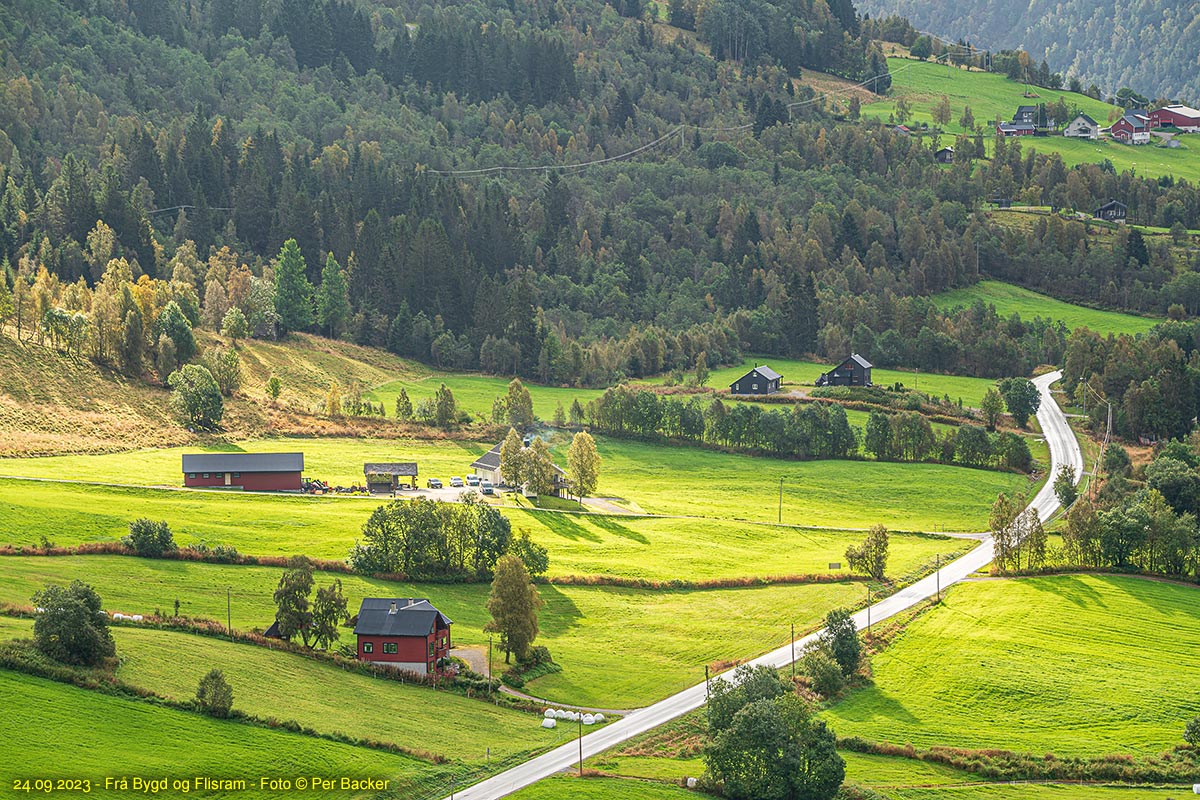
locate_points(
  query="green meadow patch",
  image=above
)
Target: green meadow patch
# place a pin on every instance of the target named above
(596, 633)
(1009, 299)
(111, 736)
(1074, 665)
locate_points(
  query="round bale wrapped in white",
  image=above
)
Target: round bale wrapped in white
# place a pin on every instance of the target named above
(548, 713)
(549, 723)
(598, 718)
(588, 719)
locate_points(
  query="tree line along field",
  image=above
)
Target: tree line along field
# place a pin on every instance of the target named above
(1009, 299)
(1074, 665)
(586, 628)
(138, 738)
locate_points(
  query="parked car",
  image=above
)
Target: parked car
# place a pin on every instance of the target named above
(486, 487)
(434, 483)
(472, 480)
(457, 482)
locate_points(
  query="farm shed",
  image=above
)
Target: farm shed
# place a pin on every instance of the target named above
(1185, 118)
(760, 380)
(264, 472)
(854, 371)
(1113, 211)
(386, 476)
(945, 155)
(402, 632)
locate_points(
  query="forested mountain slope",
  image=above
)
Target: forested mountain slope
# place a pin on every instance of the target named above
(205, 134)
(1150, 46)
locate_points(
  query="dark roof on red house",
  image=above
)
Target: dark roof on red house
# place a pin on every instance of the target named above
(243, 462)
(398, 616)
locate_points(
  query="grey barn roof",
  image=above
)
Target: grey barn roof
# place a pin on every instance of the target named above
(768, 373)
(406, 469)
(413, 616)
(243, 462)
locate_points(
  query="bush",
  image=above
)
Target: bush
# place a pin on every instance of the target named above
(197, 398)
(214, 695)
(841, 640)
(1191, 734)
(149, 538)
(70, 626)
(824, 673)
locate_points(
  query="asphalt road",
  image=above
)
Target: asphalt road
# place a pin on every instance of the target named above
(1064, 449)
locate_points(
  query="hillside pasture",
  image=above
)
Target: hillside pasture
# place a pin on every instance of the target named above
(138, 738)
(1009, 299)
(592, 631)
(1074, 665)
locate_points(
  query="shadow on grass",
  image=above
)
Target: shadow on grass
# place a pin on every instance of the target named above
(564, 525)
(611, 525)
(1070, 587)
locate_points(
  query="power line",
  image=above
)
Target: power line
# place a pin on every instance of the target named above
(186, 208)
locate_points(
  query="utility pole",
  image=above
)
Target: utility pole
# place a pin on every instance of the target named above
(228, 612)
(489, 664)
(780, 500)
(793, 651)
(868, 609)
(706, 683)
(937, 572)
(580, 743)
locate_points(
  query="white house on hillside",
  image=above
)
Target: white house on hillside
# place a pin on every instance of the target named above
(1083, 127)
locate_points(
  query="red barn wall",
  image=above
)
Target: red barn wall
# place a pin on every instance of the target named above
(250, 481)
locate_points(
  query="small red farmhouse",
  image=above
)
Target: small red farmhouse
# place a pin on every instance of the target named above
(1182, 117)
(1133, 128)
(402, 632)
(269, 472)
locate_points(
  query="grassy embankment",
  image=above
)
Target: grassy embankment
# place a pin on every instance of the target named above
(1075, 665)
(1009, 299)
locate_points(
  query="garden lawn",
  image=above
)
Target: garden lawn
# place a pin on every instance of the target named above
(656, 549)
(619, 648)
(138, 738)
(1146, 160)
(1009, 299)
(1074, 665)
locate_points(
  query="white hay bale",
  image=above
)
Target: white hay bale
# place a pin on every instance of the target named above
(598, 718)
(560, 714)
(548, 713)
(549, 723)
(137, 617)
(691, 783)
(588, 719)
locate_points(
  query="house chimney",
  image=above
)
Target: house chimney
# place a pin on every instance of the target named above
(392, 610)
(410, 601)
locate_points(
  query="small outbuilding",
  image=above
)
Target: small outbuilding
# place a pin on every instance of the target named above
(945, 155)
(1112, 211)
(403, 633)
(854, 371)
(387, 476)
(760, 380)
(262, 472)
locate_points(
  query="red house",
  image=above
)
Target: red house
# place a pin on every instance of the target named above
(402, 632)
(1181, 116)
(269, 472)
(1133, 128)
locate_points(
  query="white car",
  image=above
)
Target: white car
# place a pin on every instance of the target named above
(456, 482)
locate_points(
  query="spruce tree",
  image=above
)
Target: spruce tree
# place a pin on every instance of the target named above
(293, 292)
(333, 299)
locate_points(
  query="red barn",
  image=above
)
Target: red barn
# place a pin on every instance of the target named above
(268, 472)
(1181, 116)
(402, 632)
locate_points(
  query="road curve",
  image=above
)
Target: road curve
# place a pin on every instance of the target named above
(1064, 449)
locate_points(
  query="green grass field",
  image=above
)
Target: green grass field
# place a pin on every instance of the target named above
(475, 393)
(1009, 299)
(1076, 665)
(989, 95)
(592, 631)
(803, 374)
(563, 786)
(50, 730)
(1145, 160)
(323, 697)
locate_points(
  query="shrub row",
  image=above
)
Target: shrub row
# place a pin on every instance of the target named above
(1173, 766)
(219, 554)
(708, 583)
